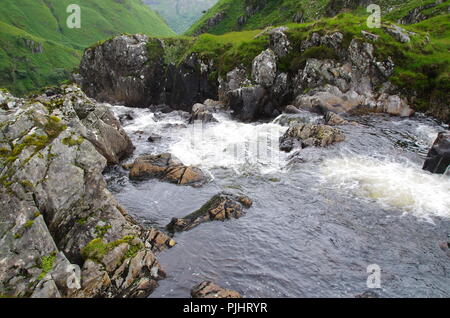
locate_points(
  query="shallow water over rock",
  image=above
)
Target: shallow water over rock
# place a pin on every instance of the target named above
(318, 219)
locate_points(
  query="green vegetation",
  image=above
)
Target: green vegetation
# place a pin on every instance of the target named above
(38, 49)
(46, 264)
(98, 248)
(71, 142)
(277, 12)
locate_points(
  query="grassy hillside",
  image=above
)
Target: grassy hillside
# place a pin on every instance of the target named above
(180, 14)
(38, 49)
(253, 14)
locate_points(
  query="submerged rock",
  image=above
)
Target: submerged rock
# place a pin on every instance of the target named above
(211, 290)
(438, 159)
(333, 119)
(202, 113)
(166, 168)
(304, 135)
(221, 207)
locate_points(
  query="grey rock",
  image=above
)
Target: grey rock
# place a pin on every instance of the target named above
(221, 207)
(264, 68)
(400, 34)
(307, 135)
(438, 158)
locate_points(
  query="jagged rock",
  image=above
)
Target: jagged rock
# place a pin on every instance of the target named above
(211, 22)
(370, 36)
(333, 119)
(438, 159)
(264, 68)
(221, 207)
(249, 103)
(291, 109)
(131, 70)
(201, 113)
(166, 168)
(416, 15)
(330, 99)
(211, 290)
(400, 34)
(46, 289)
(304, 135)
(301, 117)
(279, 42)
(214, 104)
(395, 105)
(235, 79)
(56, 214)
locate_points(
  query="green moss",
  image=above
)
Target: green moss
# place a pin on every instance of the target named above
(46, 264)
(71, 142)
(28, 224)
(98, 248)
(100, 231)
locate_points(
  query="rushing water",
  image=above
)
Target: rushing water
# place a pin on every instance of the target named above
(320, 217)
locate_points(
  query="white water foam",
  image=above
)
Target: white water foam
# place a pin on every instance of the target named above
(245, 148)
(395, 185)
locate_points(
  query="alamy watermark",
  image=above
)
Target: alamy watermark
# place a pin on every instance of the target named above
(74, 19)
(374, 278)
(374, 20)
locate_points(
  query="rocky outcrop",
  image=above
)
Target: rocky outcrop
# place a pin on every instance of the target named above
(323, 72)
(210, 23)
(438, 159)
(221, 207)
(166, 168)
(133, 70)
(62, 233)
(211, 290)
(306, 135)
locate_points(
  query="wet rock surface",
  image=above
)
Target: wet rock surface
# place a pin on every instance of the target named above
(438, 159)
(211, 290)
(166, 168)
(221, 207)
(306, 135)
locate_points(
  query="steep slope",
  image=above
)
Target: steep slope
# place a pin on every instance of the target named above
(37, 48)
(180, 14)
(235, 15)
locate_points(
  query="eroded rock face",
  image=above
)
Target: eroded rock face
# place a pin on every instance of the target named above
(211, 290)
(221, 207)
(131, 70)
(305, 135)
(264, 69)
(166, 168)
(62, 233)
(438, 159)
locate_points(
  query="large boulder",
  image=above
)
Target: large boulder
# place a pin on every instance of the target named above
(305, 135)
(264, 68)
(62, 233)
(250, 103)
(210, 290)
(166, 168)
(221, 207)
(438, 159)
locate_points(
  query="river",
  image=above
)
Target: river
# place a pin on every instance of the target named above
(319, 218)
